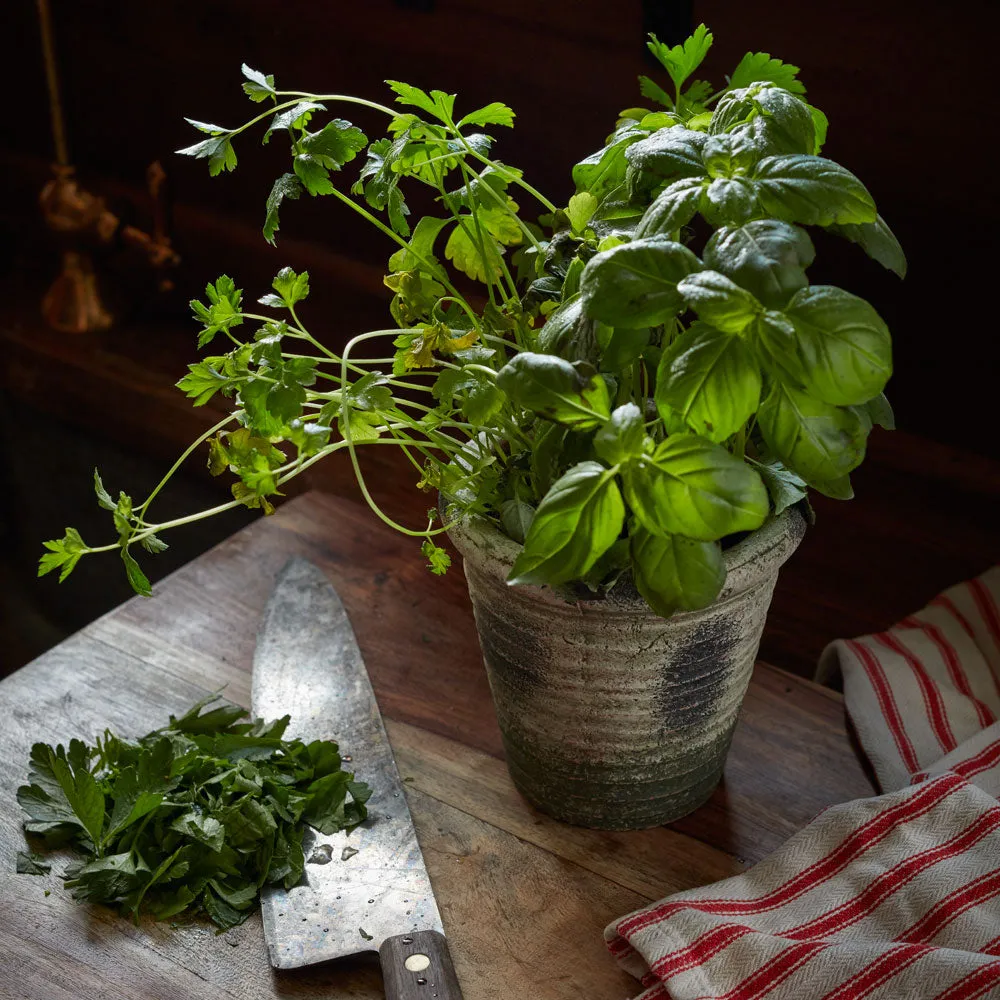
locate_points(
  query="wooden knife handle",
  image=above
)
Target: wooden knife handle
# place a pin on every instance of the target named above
(417, 966)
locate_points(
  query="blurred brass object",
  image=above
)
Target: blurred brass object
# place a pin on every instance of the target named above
(84, 223)
(73, 304)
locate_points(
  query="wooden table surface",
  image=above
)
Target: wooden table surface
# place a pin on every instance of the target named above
(524, 899)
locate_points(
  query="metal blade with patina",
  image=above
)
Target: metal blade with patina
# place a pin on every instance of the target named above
(374, 885)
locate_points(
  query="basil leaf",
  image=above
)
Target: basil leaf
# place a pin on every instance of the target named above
(774, 341)
(546, 453)
(666, 155)
(603, 171)
(878, 241)
(728, 155)
(719, 301)
(674, 573)
(516, 517)
(635, 284)
(690, 486)
(838, 489)
(729, 200)
(576, 522)
(783, 486)
(673, 207)
(556, 390)
(768, 118)
(569, 333)
(843, 346)
(818, 441)
(767, 257)
(878, 411)
(811, 190)
(622, 436)
(619, 347)
(711, 379)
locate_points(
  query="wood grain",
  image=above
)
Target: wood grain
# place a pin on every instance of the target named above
(524, 899)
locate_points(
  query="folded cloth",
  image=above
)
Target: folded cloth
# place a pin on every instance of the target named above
(927, 688)
(892, 896)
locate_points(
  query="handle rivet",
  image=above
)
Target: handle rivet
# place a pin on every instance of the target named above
(421, 981)
(417, 963)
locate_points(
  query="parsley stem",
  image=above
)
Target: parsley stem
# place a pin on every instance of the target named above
(352, 451)
(343, 98)
(503, 204)
(141, 509)
(382, 227)
(537, 195)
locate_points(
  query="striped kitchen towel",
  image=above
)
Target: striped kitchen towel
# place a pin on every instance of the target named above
(896, 896)
(926, 693)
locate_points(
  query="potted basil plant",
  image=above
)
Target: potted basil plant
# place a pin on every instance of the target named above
(620, 401)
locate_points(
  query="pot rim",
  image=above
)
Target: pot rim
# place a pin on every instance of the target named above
(748, 562)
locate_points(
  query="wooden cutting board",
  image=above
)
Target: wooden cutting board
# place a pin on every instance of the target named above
(524, 899)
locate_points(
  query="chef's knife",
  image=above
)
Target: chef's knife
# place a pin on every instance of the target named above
(367, 890)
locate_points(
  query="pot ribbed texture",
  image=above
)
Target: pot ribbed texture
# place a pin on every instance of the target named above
(613, 717)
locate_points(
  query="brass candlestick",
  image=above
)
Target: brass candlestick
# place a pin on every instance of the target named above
(83, 222)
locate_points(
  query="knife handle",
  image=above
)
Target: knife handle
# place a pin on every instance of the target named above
(417, 966)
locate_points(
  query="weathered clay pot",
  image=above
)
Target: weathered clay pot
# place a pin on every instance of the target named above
(613, 717)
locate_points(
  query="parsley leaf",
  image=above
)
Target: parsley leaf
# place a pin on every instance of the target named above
(218, 151)
(437, 103)
(317, 153)
(193, 817)
(64, 553)
(761, 67)
(493, 114)
(438, 559)
(286, 186)
(258, 86)
(680, 61)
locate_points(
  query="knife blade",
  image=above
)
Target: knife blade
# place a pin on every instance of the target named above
(368, 890)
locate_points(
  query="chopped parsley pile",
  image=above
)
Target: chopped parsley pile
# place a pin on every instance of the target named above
(193, 818)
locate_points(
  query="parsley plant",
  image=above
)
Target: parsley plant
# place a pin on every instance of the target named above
(620, 383)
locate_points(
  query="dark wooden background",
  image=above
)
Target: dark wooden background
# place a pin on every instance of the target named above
(908, 87)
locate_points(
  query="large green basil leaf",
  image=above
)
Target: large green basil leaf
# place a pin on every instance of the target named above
(811, 190)
(843, 348)
(711, 379)
(719, 301)
(766, 256)
(576, 522)
(604, 170)
(673, 207)
(569, 333)
(768, 118)
(622, 436)
(635, 284)
(674, 573)
(775, 343)
(729, 201)
(878, 241)
(690, 486)
(555, 389)
(620, 347)
(667, 155)
(822, 443)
